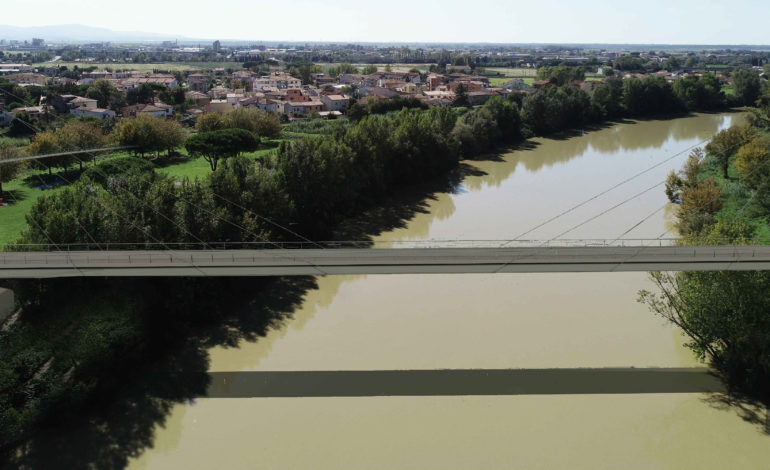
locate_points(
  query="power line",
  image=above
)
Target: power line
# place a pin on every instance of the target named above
(581, 204)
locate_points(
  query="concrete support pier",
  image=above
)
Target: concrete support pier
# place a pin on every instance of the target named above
(6, 304)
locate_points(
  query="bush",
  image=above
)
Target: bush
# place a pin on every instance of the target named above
(121, 166)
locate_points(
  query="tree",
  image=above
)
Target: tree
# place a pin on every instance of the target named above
(700, 202)
(48, 142)
(726, 143)
(147, 133)
(105, 93)
(215, 145)
(369, 69)
(753, 162)
(461, 96)
(21, 125)
(143, 94)
(724, 313)
(9, 170)
(209, 122)
(561, 75)
(747, 87)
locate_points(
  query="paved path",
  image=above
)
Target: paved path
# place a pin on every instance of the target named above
(279, 262)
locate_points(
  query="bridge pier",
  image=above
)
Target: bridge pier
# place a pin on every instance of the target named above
(6, 303)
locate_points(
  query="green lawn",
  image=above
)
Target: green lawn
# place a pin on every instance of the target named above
(22, 192)
(729, 90)
(512, 72)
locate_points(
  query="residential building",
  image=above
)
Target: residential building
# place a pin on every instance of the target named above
(98, 113)
(198, 82)
(335, 102)
(27, 79)
(302, 109)
(201, 99)
(218, 106)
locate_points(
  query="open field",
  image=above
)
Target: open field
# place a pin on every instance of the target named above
(512, 72)
(170, 66)
(381, 67)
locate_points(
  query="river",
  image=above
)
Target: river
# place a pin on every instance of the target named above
(499, 321)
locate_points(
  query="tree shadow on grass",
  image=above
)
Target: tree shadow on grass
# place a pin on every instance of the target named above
(40, 179)
(13, 196)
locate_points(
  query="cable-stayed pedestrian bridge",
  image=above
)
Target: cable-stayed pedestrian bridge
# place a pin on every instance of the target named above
(346, 258)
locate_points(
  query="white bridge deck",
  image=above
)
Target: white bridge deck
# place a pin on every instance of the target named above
(296, 262)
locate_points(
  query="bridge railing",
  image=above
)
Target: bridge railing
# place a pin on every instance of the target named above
(335, 244)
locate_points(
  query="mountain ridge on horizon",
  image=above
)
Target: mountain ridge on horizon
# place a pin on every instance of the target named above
(78, 33)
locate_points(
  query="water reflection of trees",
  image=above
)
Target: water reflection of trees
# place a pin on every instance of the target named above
(628, 136)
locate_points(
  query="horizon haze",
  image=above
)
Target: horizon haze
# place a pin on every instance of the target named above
(550, 22)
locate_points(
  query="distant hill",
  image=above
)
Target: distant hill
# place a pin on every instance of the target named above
(78, 33)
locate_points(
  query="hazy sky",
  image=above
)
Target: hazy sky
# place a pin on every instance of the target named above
(579, 21)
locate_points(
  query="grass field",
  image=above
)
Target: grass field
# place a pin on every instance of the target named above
(22, 192)
(170, 66)
(512, 72)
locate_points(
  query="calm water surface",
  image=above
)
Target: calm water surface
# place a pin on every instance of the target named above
(486, 322)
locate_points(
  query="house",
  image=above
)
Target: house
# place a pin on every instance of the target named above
(97, 74)
(379, 93)
(201, 99)
(259, 102)
(296, 95)
(160, 79)
(157, 110)
(335, 102)
(218, 106)
(515, 84)
(435, 81)
(27, 79)
(99, 113)
(31, 110)
(234, 98)
(442, 96)
(219, 92)
(466, 69)
(301, 109)
(14, 68)
(198, 82)
(63, 81)
(279, 80)
(63, 103)
(479, 97)
(350, 79)
(81, 102)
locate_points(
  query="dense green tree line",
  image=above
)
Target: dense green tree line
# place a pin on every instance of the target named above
(725, 314)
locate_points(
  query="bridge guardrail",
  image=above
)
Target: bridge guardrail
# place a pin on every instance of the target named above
(391, 244)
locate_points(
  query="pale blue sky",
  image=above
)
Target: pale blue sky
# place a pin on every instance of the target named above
(583, 21)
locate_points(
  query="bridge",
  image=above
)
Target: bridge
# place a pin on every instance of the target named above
(345, 260)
